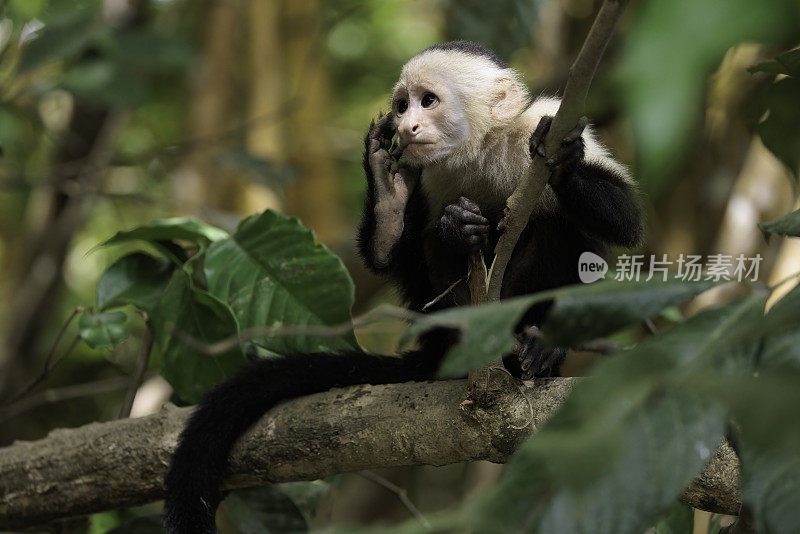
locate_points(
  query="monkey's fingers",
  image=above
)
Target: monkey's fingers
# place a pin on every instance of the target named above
(576, 132)
(382, 131)
(463, 216)
(469, 205)
(567, 156)
(536, 142)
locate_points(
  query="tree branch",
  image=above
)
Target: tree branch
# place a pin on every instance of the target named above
(104, 466)
(521, 203)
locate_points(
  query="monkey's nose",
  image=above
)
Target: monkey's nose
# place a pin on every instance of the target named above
(415, 129)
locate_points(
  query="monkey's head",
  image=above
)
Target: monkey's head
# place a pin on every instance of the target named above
(449, 97)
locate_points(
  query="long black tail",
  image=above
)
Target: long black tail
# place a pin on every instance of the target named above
(230, 408)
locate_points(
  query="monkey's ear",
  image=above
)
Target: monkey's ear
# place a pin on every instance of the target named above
(507, 99)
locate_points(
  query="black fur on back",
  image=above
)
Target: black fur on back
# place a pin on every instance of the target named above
(469, 47)
(200, 462)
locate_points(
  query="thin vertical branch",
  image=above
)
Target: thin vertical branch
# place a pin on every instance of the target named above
(141, 369)
(526, 195)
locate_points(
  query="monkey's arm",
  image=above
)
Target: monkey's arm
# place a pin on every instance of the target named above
(595, 193)
(390, 237)
(602, 203)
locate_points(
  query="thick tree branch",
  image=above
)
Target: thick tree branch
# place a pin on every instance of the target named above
(104, 466)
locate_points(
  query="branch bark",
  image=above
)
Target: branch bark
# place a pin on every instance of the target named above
(104, 466)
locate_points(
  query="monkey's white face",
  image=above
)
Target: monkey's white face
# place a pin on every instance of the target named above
(431, 122)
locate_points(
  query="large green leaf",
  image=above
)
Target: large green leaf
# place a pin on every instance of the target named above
(137, 279)
(589, 311)
(272, 273)
(668, 54)
(183, 228)
(579, 313)
(627, 441)
(103, 330)
(186, 311)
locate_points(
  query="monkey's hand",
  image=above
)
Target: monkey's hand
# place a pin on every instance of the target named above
(568, 156)
(463, 227)
(393, 185)
(536, 361)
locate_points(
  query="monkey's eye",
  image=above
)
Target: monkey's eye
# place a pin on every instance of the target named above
(402, 106)
(428, 100)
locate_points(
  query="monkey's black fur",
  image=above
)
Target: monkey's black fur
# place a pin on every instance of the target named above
(585, 207)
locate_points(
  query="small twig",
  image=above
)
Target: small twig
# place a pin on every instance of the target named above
(382, 312)
(141, 369)
(600, 346)
(401, 494)
(650, 327)
(443, 294)
(61, 394)
(48, 367)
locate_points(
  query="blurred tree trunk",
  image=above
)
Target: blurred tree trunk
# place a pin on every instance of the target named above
(201, 181)
(79, 161)
(268, 102)
(315, 195)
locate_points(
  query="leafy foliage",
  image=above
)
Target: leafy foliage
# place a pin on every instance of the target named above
(208, 287)
(270, 272)
(667, 55)
(577, 314)
(103, 330)
(788, 225)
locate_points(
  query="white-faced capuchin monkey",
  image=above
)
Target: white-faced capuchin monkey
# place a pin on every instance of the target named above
(467, 129)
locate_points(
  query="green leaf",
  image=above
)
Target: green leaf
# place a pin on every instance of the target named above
(622, 478)
(788, 225)
(61, 38)
(182, 228)
(579, 313)
(628, 440)
(771, 483)
(103, 330)
(668, 54)
(779, 131)
(584, 312)
(486, 332)
(187, 311)
(787, 63)
(272, 273)
(138, 279)
(264, 510)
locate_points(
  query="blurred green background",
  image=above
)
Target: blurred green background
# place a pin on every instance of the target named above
(116, 112)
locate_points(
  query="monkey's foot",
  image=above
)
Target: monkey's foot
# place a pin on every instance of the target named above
(536, 361)
(462, 224)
